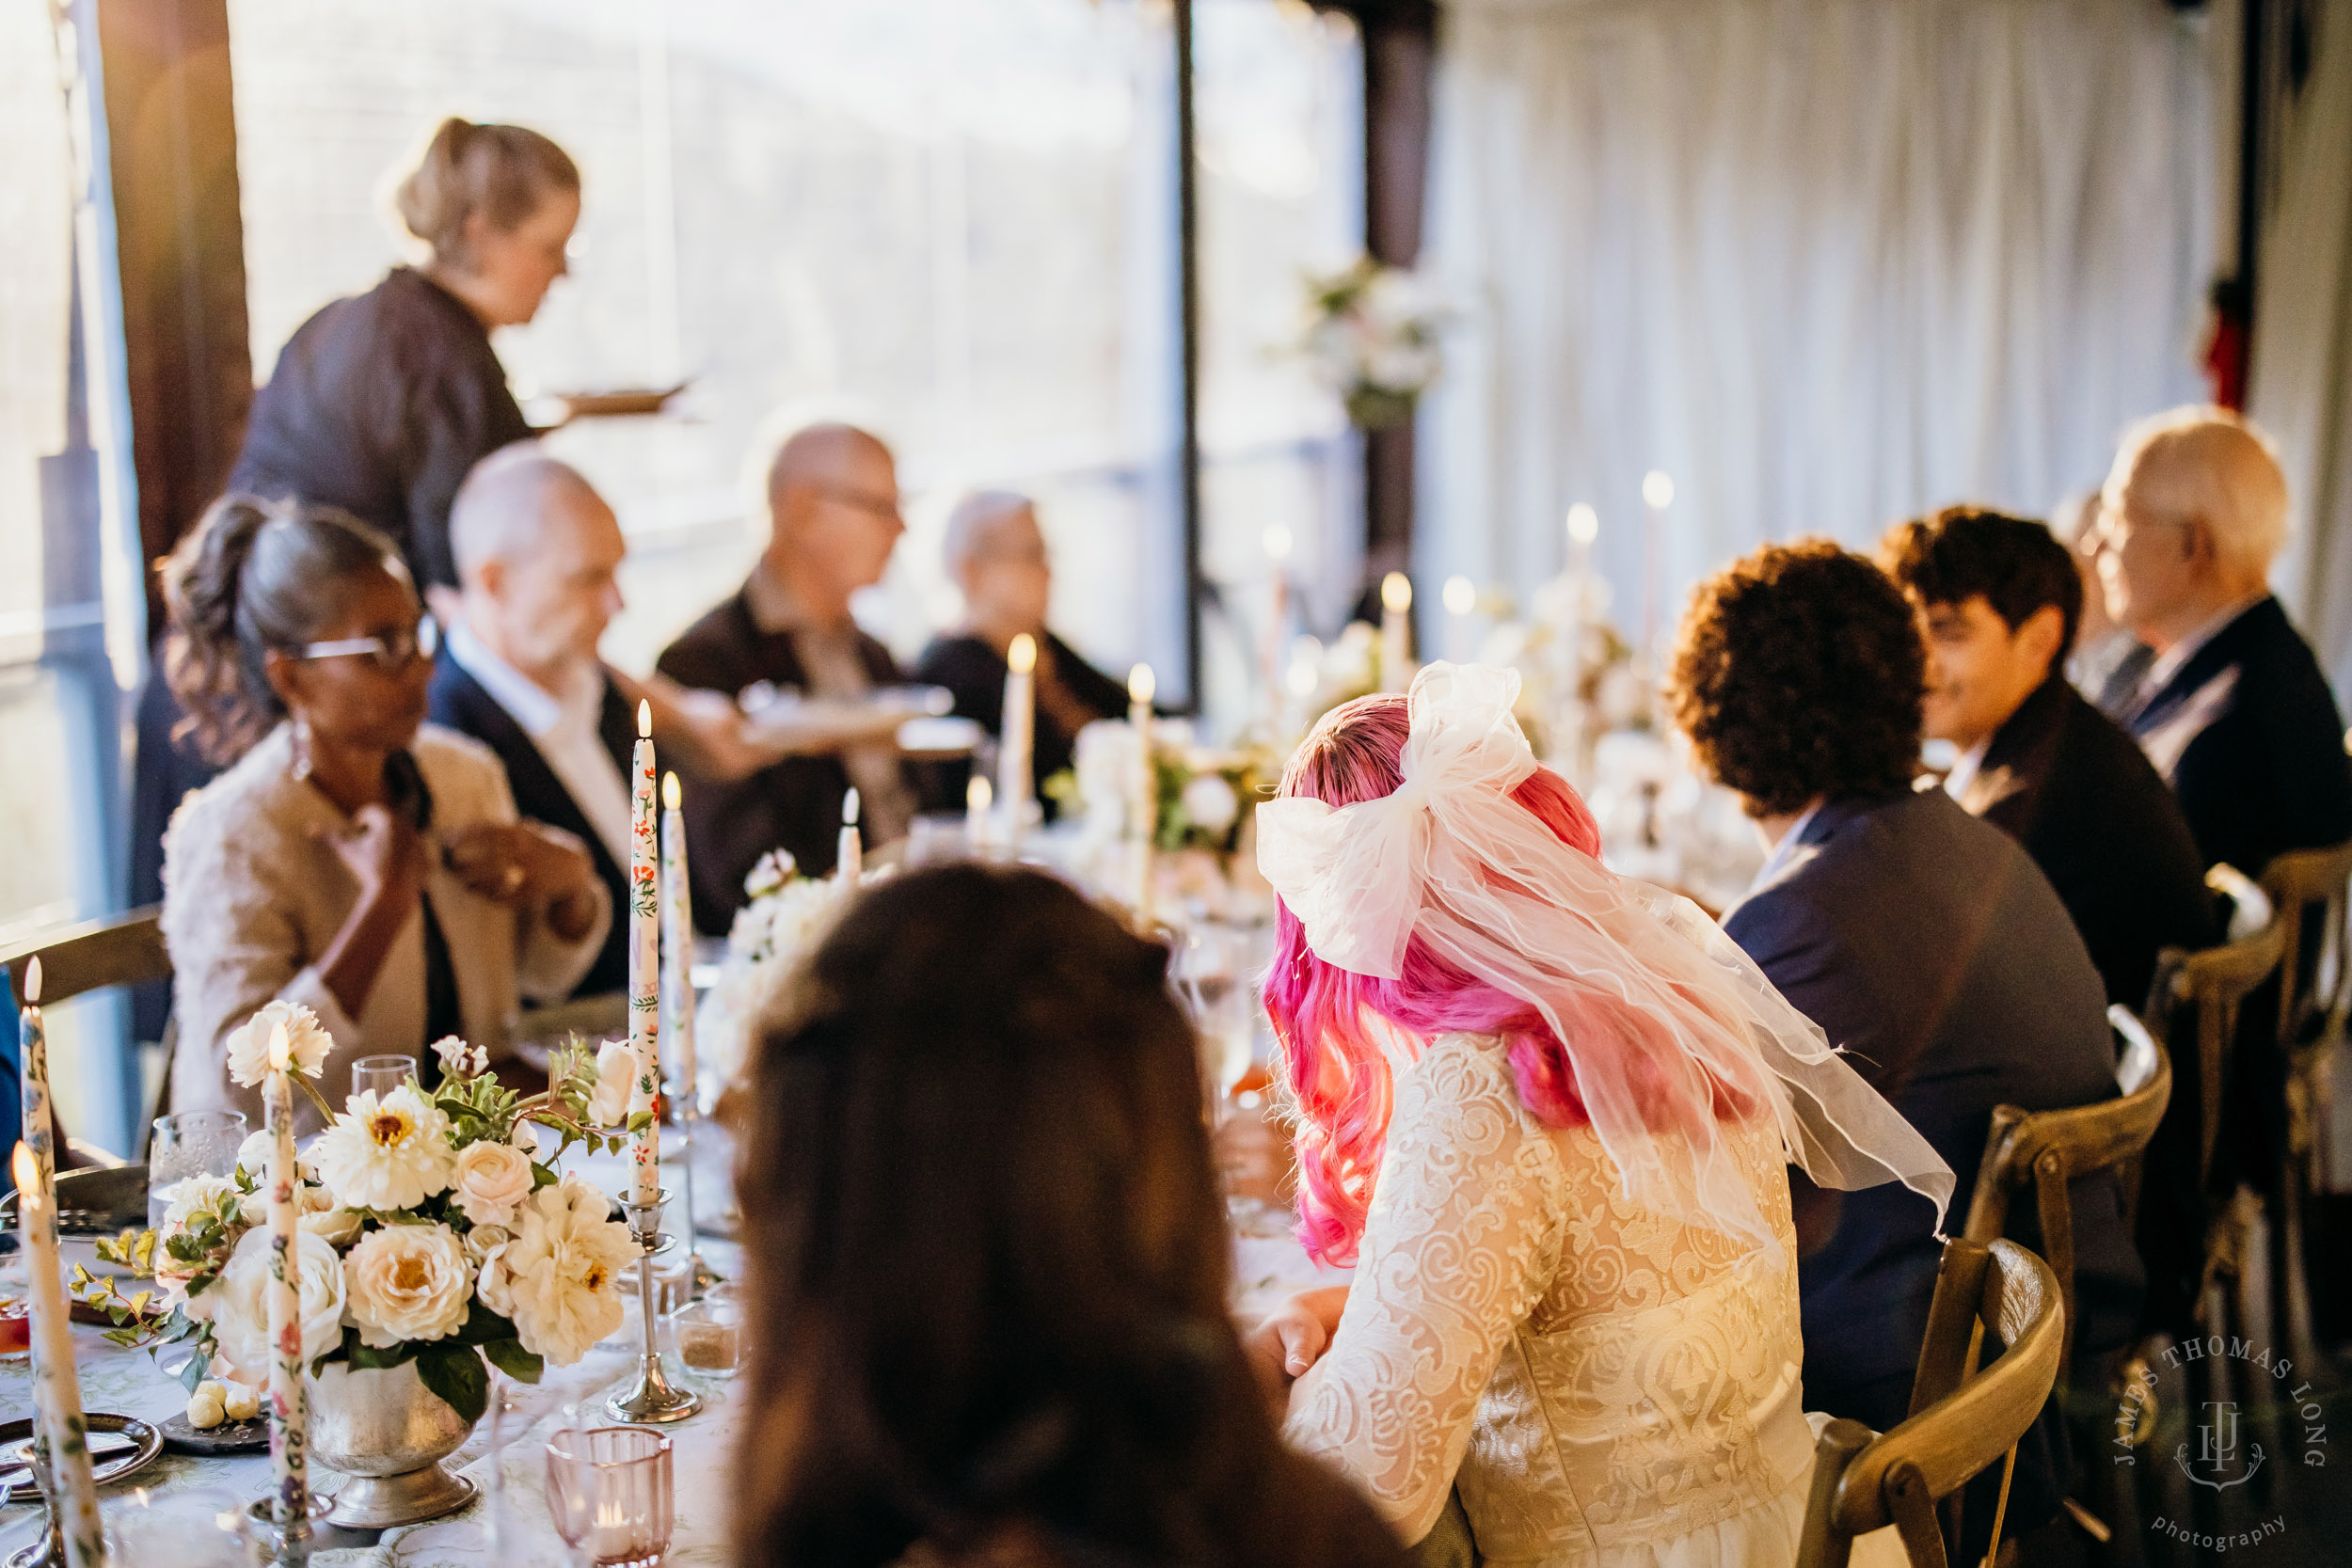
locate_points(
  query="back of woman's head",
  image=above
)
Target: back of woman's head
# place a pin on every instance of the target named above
(987, 1257)
(254, 576)
(500, 173)
(1325, 1016)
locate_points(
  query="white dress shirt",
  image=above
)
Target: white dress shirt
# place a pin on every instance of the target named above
(565, 726)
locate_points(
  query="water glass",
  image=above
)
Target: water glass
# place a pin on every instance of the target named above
(608, 1493)
(201, 1528)
(190, 1143)
(708, 1334)
(382, 1075)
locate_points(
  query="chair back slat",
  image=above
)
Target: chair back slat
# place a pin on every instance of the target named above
(122, 950)
(1940, 1447)
(2209, 987)
(2299, 882)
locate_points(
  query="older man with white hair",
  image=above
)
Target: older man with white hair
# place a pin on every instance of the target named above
(997, 555)
(2232, 709)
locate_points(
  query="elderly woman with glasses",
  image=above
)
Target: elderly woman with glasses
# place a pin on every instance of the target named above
(351, 858)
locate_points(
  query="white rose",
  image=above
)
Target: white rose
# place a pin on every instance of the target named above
(485, 1240)
(253, 1155)
(192, 1195)
(1210, 801)
(460, 1060)
(334, 1225)
(491, 1180)
(406, 1282)
(388, 1153)
(616, 1071)
(239, 1304)
(558, 1280)
(248, 1045)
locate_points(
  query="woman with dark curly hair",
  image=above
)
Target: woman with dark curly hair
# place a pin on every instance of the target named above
(989, 1263)
(1923, 940)
(352, 859)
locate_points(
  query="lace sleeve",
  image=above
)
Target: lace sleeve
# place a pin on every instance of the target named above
(1463, 1237)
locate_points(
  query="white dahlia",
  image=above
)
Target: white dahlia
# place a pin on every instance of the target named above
(406, 1282)
(559, 1279)
(388, 1153)
(248, 1045)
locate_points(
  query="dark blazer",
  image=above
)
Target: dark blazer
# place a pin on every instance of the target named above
(2267, 770)
(2062, 780)
(794, 805)
(459, 702)
(380, 404)
(973, 671)
(1928, 947)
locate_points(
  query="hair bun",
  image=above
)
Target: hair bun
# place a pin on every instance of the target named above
(502, 172)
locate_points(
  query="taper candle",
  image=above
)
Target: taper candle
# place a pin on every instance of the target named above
(849, 860)
(35, 1079)
(644, 971)
(978, 800)
(58, 1426)
(1014, 738)
(1143, 799)
(1657, 493)
(1396, 632)
(677, 937)
(289, 1414)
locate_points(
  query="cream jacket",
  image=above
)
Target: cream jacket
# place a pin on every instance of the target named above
(252, 899)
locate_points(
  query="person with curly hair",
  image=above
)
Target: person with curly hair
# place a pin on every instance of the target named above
(1923, 940)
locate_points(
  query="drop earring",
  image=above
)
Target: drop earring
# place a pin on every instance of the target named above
(301, 748)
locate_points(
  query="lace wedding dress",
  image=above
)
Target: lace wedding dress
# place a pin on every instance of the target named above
(1606, 1386)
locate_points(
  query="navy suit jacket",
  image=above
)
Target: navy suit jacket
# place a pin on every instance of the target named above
(1926, 945)
(459, 702)
(2267, 770)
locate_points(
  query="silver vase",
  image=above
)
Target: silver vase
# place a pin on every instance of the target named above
(389, 1433)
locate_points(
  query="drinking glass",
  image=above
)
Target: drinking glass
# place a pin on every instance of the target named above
(190, 1143)
(201, 1528)
(609, 1495)
(708, 1334)
(381, 1073)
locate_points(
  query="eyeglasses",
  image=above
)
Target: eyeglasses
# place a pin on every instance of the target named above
(392, 650)
(2113, 530)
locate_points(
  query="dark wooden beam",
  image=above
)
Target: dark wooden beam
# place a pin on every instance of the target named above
(180, 239)
(1189, 351)
(1400, 44)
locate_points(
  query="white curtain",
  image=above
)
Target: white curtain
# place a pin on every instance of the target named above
(1826, 262)
(2302, 384)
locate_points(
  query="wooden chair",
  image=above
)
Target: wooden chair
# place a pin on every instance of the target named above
(1959, 1424)
(120, 950)
(2210, 987)
(2046, 1149)
(2308, 889)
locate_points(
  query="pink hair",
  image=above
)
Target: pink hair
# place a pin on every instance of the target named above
(1329, 1018)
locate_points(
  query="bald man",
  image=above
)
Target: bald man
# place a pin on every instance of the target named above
(833, 511)
(536, 550)
(997, 555)
(2232, 709)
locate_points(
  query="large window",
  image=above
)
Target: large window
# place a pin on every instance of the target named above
(952, 218)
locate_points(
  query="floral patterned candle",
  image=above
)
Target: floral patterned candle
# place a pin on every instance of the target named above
(644, 971)
(34, 1076)
(289, 1414)
(56, 1387)
(1015, 735)
(678, 925)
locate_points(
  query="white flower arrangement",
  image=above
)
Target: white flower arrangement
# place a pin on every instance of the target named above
(411, 1204)
(788, 914)
(1372, 334)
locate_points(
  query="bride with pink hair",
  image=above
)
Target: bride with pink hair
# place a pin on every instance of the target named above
(1546, 1112)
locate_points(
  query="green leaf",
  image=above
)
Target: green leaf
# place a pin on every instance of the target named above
(455, 1372)
(509, 1357)
(369, 1358)
(193, 1373)
(482, 1325)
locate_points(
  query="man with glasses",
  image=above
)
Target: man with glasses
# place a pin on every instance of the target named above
(832, 512)
(2232, 708)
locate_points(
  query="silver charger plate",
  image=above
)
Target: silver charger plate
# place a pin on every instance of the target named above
(109, 1461)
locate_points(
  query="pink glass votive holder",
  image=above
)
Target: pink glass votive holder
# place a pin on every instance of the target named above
(609, 1493)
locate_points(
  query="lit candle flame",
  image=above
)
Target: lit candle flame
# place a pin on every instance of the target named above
(280, 1048)
(644, 720)
(32, 982)
(1396, 592)
(1461, 595)
(1278, 543)
(1022, 657)
(849, 808)
(1141, 684)
(670, 793)
(977, 796)
(27, 1172)
(1584, 523)
(1657, 489)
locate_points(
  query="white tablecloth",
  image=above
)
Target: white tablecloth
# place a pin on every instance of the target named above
(127, 1383)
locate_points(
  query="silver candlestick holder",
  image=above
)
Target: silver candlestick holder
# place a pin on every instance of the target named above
(47, 1550)
(650, 1399)
(701, 1275)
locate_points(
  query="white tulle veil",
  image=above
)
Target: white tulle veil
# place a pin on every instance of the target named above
(1661, 1014)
